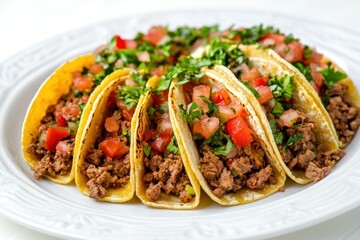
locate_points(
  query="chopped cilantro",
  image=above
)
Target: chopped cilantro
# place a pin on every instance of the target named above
(252, 35)
(308, 52)
(147, 150)
(305, 70)
(139, 79)
(187, 69)
(151, 111)
(282, 87)
(248, 85)
(220, 143)
(173, 146)
(278, 109)
(130, 95)
(325, 99)
(278, 136)
(292, 140)
(331, 76)
(289, 39)
(192, 113)
(211, 105)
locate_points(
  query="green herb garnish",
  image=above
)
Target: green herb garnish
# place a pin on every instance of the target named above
(331, 76)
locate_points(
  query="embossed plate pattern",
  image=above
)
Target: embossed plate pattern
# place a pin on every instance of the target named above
(62, 211)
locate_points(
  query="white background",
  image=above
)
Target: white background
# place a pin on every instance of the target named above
(24, 23)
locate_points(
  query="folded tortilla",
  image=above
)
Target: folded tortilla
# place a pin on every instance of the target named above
(56, 86)
(188, 146)
(92, 130)
(267, 62)
(168, 201)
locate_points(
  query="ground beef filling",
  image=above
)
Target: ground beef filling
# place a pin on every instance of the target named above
(248, 168)
(305, 153)
(345, 116)
(104, 172)
(166, 174)
(54, 164)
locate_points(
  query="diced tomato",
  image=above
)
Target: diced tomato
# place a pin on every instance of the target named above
(63, 146)
(127, 113)
(271, 39)
(111, 125)
(259, 81)
(70, 111)
(130, 44)
(113, 148)
(96, 68)
(265, 94)
(149, 134)
(155, 35)
(315, 57)
(84, 98)
(164, 125)
(230, 111)
(295, 52)
(82, 83)
(60, 120)
(120, 43)
(54, 135)
(221, 97)
(317, 77)
(198, 91)
(206, 126)
(158, 71)
(281, 49)
(160, 143)
(159, 98)
(251, 75)
(239, 131)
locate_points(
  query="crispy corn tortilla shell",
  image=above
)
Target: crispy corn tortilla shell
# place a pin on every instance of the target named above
(56, 86)
(166, 200)
(93, 128)
(352, 93)
(188, 146)
(268, 63)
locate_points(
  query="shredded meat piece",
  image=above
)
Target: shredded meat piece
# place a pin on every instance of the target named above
(257, 180)
(345, 116)
(247, 168)
(104, 172)
(316, 173)
(304, 153)
(168, 174)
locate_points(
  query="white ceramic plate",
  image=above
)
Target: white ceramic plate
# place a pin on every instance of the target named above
(62, 211)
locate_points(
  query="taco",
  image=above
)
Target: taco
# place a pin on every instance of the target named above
(104, 168)
(56, 116)
(224, 140)
(331, 89)
(293, 121)
(163, 175)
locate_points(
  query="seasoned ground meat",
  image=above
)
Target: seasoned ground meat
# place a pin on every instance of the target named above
(166, 174)
(305, 153)
(54, 164)
(247, 168)
(345, 116)
(102, 171)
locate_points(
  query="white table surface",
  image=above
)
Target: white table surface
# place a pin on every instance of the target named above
(24, 23)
